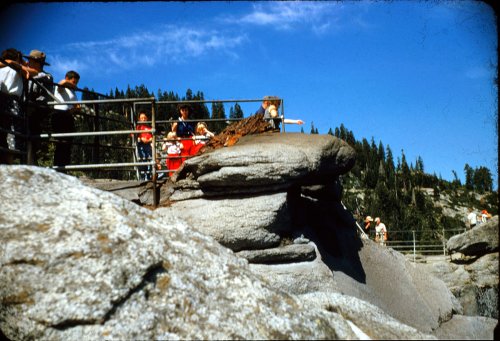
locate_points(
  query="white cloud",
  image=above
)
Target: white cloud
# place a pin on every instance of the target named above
(170, 45)
(316, 15)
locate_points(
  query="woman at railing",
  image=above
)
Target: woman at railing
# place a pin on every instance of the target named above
(184, 130)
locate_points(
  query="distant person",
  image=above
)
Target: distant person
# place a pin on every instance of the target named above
(173, 148)
(269, 108)
(13, 72)
(63, 118)
(40, 87)
(368, 221)
(144, 145)
(184, 130)
(485, 216)
(202, 135)
(471, 218)
(380, 232)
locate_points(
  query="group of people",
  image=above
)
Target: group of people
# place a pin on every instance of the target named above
(187, 138)
(473, 218)
(23, 81)
(184, 140)
(380, 229)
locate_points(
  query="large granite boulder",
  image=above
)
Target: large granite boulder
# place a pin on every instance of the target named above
(78, 263)
(269, 162)
(471, 272)
(478, 241)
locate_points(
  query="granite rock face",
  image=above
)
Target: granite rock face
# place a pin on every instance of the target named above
(472, 273)
(79, 263)
(252, 241)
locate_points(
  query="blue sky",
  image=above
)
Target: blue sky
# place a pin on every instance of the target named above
(417, 75)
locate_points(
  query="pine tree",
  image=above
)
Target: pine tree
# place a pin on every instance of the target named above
(236, 112)
(218, 113)
(482, 180)
(469, 177)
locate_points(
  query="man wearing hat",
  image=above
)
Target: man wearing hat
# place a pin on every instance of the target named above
(368, 220)
(40, 88)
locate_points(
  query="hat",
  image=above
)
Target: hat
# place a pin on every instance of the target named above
(37, 55)
(377, 219)
(368, 218)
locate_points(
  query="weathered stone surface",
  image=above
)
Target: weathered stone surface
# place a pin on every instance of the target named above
(237, 223)
(126, 189)
(78, 263)
(371, 319)
(265, 161)
(467, 328)
(481, 239)
(474, 284)
(285, 254)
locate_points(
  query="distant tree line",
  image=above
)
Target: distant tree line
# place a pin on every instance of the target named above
(394, 189)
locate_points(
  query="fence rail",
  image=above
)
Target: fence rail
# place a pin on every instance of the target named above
(417, 244)
(104, 125)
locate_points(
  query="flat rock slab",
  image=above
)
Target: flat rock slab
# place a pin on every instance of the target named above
(270, 160)
(281, 255)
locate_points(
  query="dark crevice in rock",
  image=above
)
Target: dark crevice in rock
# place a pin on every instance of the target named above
(149, 277)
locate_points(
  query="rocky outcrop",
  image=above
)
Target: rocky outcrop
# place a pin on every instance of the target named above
(78, 263)
(265, 205)
(478, 241)
(472, 272)
(251, 241)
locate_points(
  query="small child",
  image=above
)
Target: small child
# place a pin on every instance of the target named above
(144, 145)
(173, 148)
(201, 137)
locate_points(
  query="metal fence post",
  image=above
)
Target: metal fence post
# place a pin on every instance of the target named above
(414, 248)
(153, 151)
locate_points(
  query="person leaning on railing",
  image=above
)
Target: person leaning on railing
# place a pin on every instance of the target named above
(13, 71)
(269, 108)
(40, 88)
(62, 119)
(201, 137)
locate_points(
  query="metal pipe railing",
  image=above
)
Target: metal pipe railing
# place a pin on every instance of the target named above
(127, 103)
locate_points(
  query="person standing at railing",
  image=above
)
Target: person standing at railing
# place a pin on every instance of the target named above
(173, 147)
(269, 108)
(184, 130)
(62, 119)
(13, 72)
(201, 137)
(471, 218)
(38, 96)
(144, 148)
(380, 232)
